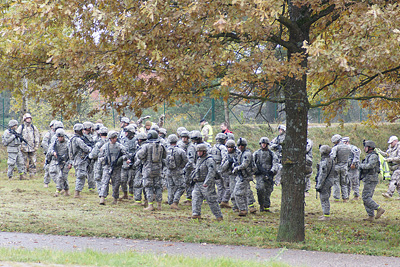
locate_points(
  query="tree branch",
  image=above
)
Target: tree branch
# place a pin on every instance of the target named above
(323, 87)
(360, 98)
(264, 99)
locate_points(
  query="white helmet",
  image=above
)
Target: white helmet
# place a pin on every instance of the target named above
(392, 139)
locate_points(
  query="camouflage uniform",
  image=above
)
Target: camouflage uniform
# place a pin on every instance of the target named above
(58, 167)
(15, 157)
(175, 162)
(309, 161)
(98, 166)
(111, 154)
(46, 142)
(353, 173)
(325, 180)
(204, 187)
(191, 154)
(340, 154)
(89, 141)
(32, 135)
(242, 188)
(369, 174)
(152, 154)
(128, 170)
(138, 179)
(218, 152)
(276, 146)
(227, 168)
(267, 166)
(393, 159)
(78, 154)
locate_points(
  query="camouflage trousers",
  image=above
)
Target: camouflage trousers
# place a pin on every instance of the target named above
(81, 175)
(367, 194)
(97, 174)
(127, 177)
(59, 174)
(188, 184)
(115, 178)
(227, 194)
(138, 186)
(220, 189)
(278, 176)
(264, 189)
(341, 183)
(232, 184)
(324, 196)
(394, 183)
(15, 159)
(241, 193)
(30, 162)
(175, 185)
(153, 188)
(46, 178)
(354, 182)
(90, 172)
(308, 182)
(209, 194)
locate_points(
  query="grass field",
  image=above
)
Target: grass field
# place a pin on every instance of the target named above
(28, 207)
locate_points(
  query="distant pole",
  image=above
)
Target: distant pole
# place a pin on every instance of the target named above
(213, 111)
(164, 114)
(3, 114)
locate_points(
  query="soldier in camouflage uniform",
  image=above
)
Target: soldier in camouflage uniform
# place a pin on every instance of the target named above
(204, 187)
(276, 146)
(227, 168)
(89, 140)
(94, 155)
(111, 155)
(58, 125)
(124, 123)
(369, 169)
(128, 171)
(179, 131)
(152, 154)
(266, 162)
(243, 195)
(309, 170)
(138, 166)
(32, 135)
(340, 154)
(324, 181)
(175, 163)
(393, 158)
(190, 150)
(218, 152)
(60, 164)
(79, 155)
(13, 144)
(45, 145)
(353, 174)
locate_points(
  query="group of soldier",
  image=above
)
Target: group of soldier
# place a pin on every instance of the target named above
(141, 161)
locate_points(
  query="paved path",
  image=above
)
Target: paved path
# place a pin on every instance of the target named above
(292, 257)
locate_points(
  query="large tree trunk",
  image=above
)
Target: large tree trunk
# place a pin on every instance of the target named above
(291, 226)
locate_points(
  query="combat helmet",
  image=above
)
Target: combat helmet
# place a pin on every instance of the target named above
(26, 115)
(52, 123)
(103, 130)
(141, 136)
(370, 144)
(58, 125)
(184, 134)
(112, 134)
(324, 150)
(230, 143)
(264, 140)
(242, 142)
(221, 137)
(336, 138)
(12, 123)
(201, 147)
(172, 138)
(195, 135)
(60, 133)
(152, 135)
(78, 127)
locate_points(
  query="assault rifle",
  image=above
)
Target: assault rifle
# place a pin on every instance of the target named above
(239, 173)
(262, 171)
(19, 136)
(113, 164)
(87, 141)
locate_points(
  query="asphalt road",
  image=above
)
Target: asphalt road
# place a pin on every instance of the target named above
(292, 257)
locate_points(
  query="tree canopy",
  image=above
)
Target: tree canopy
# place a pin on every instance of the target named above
(302, 53)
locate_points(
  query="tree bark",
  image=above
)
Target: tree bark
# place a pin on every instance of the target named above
(291, 226)
(226, 111)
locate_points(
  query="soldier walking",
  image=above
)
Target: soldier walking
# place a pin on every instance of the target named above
(32, 135)
(12, 141)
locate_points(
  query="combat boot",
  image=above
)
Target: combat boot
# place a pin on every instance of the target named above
(46, 185)
(66, 193)
(57, 193)
(102, 201)
(125, 195)
(324, 218)
(159, 205)
(243, 213)
(345, 200)
(130, 197)
(77, 194)
(252, 209)
(219, 219)
(196, 217)
(150, 207)
(187, 202)
(115, 202)
(357, 198)
(369, 219)
(145, 203)
(225, 205)
(174, 206)
(379, 213)
(23, 177)
(386, 195)
(138, 203)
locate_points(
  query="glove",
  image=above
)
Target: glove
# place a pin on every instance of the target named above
(318, 189)
(235, 170)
